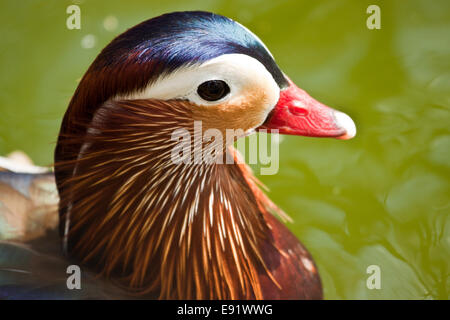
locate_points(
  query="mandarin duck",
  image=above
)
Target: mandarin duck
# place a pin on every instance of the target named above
(149, 226)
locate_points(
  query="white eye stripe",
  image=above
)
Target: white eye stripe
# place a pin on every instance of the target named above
(241, 73)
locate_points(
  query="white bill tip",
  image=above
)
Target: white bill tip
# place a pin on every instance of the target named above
(345, 122)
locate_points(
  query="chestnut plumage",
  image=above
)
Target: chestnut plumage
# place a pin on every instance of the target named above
(177, 231)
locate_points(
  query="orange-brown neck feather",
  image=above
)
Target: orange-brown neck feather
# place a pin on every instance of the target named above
(180, 231)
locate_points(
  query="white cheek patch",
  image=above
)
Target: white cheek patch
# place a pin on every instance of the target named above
(242, 74)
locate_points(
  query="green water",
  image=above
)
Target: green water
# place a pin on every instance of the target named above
(379, 199)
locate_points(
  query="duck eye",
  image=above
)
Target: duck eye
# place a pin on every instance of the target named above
(213, 90)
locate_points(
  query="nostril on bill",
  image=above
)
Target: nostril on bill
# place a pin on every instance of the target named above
(297, 110)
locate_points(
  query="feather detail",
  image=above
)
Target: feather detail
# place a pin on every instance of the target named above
(28, 201)
(37, 270)
(19, 162)
(180, 231)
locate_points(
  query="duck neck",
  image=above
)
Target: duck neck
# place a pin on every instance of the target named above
(177, 230)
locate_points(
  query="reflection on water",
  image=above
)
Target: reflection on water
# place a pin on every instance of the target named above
(380, 199)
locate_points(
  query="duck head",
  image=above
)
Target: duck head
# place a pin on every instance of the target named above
(182, 230)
